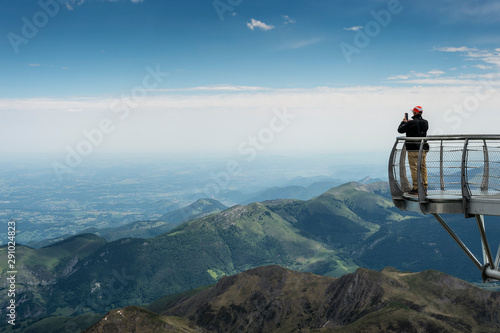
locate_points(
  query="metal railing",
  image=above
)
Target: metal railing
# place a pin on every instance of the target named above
(458, 168)
(463, 176)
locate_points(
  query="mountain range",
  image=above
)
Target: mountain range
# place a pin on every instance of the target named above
(301, 188)
(275, 299)
(349, 226)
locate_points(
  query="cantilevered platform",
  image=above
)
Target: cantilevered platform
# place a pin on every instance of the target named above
(443, 202)
(463, 178)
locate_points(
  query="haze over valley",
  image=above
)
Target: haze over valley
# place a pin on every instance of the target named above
(112, 191)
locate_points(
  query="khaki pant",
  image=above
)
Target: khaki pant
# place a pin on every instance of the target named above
(413, 161)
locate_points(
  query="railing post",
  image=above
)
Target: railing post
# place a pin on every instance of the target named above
(396, 189)
(486, 172)
(464, 180)
(441, 166)
(422, 191)
(405, 184)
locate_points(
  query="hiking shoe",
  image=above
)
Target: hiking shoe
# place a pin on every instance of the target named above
(413, 191)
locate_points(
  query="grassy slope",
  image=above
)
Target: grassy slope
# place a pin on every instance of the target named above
(192, 255)
(51, 256)
(38, 269)
(55, 324)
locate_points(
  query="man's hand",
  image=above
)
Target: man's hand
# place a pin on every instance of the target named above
(405, 120)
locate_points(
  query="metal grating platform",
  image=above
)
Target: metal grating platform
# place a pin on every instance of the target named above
(463, 178)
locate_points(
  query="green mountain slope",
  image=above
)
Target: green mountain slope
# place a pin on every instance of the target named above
(39, 269)
(198, 209)
(54, 324)
(137, 271)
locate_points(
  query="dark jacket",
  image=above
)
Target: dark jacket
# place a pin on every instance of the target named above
(414, 128)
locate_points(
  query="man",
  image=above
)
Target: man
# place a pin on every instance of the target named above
(417, 127)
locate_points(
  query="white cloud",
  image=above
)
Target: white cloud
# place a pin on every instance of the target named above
(486, 56)
(490, 61)
(455, 49)
(54, 104)
(435, 72)
(71, 3)
(483, 67)
(474, 54)
(398, 77)
(288, 19)
(212, 88)
(491, 79)
(259, 24)
(414, 74)
(453, 81)
(222, 118)
(487, 76)
(356, 28)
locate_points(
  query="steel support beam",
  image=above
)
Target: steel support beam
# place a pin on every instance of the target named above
(458, 241)
(488, 258)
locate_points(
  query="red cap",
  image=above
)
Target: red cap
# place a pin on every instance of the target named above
(418, 109)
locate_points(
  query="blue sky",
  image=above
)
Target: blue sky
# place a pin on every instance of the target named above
(226, 77)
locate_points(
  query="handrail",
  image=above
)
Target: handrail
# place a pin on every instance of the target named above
(451, 137)
(459, 167)
(466, 194)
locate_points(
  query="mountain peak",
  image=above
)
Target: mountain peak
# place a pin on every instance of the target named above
(369, 180)
(350, 188)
